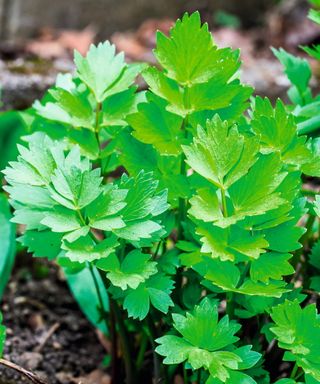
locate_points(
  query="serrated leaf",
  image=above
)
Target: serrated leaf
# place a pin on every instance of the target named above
(91, 69)
(153, 124)
(314, 257)
(117, 107)
(228, 244)
(220, 154)
(278, 131)
(178, 58)
(67, 108)
(42, 243)
(86, 249)
(298, 330)
(156, 290)
(297, 69)
(271, 265)
(205, 342)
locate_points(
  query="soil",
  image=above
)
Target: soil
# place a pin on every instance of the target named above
(37, 303)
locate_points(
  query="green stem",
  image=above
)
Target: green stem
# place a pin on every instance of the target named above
(244, 274)
(230, 304)
(224, 202)
(185, 375)
(183, 171)
(309, 226)
(299, 375)
(294, 371)
(157, 250)
(97, 124)
(96, 285)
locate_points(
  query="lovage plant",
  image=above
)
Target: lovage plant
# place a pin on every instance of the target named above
(186, 204)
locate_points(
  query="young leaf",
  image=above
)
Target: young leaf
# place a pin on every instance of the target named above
(299, 73)
(92, 70)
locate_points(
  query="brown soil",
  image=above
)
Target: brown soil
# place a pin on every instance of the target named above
(36, 302)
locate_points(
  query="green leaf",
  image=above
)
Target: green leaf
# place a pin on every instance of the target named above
(83, 288)
(314, 15)
(66, 196)
(278, 131)
(86, 249)
(156, 289)
(226, 275)
(133, 270)
(91, 70)
(117, 107)
(314, 257)
(316, 205)
(180, 61)
(297, 69)
(271, 265)
(253, 194)
(153, 124)
(67, 108)
(228, 244)
(206, 342)
(298, 330)
(42, 243)
(220, 154)
(61, 219)
(8, 245)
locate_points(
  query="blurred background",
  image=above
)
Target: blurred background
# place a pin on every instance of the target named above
(37, 37)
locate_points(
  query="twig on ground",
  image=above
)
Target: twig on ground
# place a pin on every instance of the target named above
(31, 376)
(48, 335)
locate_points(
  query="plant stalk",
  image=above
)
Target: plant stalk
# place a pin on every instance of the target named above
(294, 371)
(96, 125)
